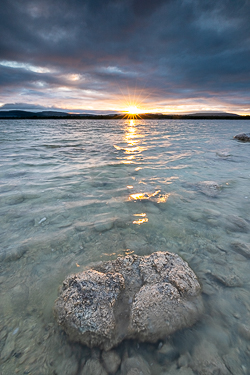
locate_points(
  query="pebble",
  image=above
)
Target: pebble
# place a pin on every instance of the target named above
(9, 347)
(93, 367)
(103, 226)
(111, 361)
(241, 248)
(42, 220)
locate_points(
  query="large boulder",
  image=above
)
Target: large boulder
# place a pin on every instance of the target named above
(145, 298)
(244, 137)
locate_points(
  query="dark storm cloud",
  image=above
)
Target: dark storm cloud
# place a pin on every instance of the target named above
(172, 48)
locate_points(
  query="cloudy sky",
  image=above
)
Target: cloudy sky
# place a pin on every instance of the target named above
(159, 55)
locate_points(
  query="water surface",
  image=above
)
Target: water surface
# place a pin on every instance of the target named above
(74, 192)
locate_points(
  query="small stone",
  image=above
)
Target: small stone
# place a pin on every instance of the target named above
(244, 137)
(167, 354)
(223, 154)
(9, 347)
(233, 363)
(93, 367)
(209, 188)
(16, 253)
(237, 224)
(103, 226)
(42, 220)
(244, 331)
(135, 366)
(67, 366)
(241, 248)
(206, 360)
(111, 361)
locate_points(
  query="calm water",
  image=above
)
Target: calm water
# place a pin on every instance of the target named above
(75, 192)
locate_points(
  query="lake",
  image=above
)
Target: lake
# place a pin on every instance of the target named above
(73, 192)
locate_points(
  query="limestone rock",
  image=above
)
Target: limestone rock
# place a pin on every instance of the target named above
(93, 367)
(145, 298)
(237, 224)
(241, 248)
(209, 188)
(111, 361)
(206, 360)
(135, 366)
(244, 137)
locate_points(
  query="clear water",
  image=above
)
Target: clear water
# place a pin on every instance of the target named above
(76, 192)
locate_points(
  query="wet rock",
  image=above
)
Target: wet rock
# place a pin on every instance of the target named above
(15, 253)
(135, 366)
(144, 298)
(166, 354)
(103, 226)
(111, 361)
(93, 367)
(227, 277)
(179, 371)
(244, 137)
(237, 224)
(209, 188)
(67, 366)
(244, 331)
(206, 360)
(9, 347)
(233, 363)
(223, 154)
(241, 248)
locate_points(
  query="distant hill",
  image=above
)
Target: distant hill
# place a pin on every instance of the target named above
(28, 114)
(18, 114)
(211, 114)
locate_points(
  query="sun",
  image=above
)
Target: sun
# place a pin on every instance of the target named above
(133, 110)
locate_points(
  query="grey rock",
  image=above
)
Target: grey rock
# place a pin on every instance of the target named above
(93, 367)
(135, 366)
(241, 248)
(15, 253)
(237, 224)
(223, 154)
(244, 137)
(144, 298)
(111, 361)
(209, 188)
(227, 277)
(167, 353)
(206, 360)
(9, 347)
(67, 366)
(179, 371)
(233, 363)
(103, 226)
(244, 331)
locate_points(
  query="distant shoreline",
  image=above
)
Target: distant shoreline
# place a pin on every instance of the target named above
(123, 117)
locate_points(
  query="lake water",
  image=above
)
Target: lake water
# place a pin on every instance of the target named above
(79, 191)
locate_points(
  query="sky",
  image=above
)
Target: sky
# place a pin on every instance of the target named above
(87, 56)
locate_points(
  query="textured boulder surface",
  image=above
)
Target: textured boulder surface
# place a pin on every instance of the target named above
(244, 137)
(145, 298)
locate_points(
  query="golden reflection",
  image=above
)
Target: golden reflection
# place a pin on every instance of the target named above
(130, 186)
(141, 221)
(155, 197)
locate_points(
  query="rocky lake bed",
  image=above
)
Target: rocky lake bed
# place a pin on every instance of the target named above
(152, 195)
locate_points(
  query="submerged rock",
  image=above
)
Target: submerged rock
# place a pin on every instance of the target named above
(209, 188)
(144, 298)
(244, 137)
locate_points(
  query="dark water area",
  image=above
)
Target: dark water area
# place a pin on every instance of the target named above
(73, 192)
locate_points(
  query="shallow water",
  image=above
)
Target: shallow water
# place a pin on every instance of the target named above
(76, 192)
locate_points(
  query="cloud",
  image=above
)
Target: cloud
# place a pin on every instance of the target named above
(163, 49)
